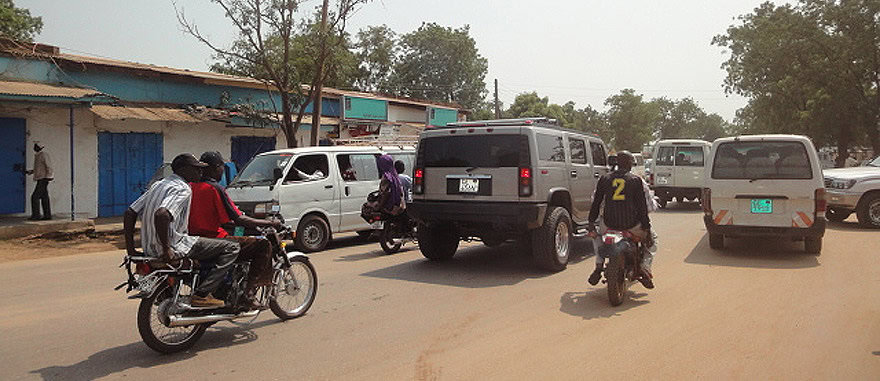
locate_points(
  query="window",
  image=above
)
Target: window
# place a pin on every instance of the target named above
(550, 147)
(762, 160)
(578, 151)
(314, 167)
(689, 156)
(358, 167)
(482, 151)
(348, 104)
(599, 156)
(665, 156)
(408, 160)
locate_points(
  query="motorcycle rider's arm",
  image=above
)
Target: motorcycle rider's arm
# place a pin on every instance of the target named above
(128, 221)
(598, 198)
(250, 222)
(641, 203)
(162, 219)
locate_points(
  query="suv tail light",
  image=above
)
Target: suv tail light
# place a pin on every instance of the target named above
(706, 200)
(525, 181)
(419, 181)
(821, 203)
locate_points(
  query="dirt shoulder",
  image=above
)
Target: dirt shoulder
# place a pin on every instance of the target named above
(59, 244)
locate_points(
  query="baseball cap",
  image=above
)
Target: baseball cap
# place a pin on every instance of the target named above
(213, 158)
(185, 159)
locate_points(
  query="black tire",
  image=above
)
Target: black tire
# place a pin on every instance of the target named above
(145, 321)
(813, 245)
(303, 273)
(662, 202)
(716, 241)
(312, 234)
(552, 252)
(869, 202)
(387, 239)
(437, 242)
(837, 214)
(614, 274)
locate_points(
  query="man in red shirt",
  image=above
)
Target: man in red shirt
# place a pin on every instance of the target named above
(211, 208)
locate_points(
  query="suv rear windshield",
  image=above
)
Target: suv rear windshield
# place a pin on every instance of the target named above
(762, 160)
(484, 151)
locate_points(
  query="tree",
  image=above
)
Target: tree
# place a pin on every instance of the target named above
(440, 64)
(270, 47)
(811, 69)
(630, 120)
(17, 23)
(685, 119)
(376, 49)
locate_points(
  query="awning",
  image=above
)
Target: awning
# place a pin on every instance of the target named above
(159, 114)
(41, 91)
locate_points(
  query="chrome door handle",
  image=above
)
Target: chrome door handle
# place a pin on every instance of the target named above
(574, 174)
(596, 175)
(328, 186)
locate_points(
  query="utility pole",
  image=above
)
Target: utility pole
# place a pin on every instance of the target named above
(497, 104)
(319, 85)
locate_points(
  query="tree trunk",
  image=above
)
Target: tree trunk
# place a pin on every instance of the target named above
(286, 121)
(319, 86)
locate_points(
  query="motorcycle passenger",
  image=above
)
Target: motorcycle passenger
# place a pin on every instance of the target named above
(391, 199)
(626, 208)
(164, 211)
(405, 180)
(212, 208)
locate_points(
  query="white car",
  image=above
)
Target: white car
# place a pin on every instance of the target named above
(764, 185)
(855, 189)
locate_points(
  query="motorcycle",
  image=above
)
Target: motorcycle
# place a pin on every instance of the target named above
(623, 253)
(393, 231)
(168, 323)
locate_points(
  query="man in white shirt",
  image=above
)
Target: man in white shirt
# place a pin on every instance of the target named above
(42, 176)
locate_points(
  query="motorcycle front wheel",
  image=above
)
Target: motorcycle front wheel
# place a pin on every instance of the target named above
(390, 239)
(295, 289)
(152, 321)
(614, 274)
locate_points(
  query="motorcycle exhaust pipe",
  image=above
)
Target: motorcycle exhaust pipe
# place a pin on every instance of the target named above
(180, 321)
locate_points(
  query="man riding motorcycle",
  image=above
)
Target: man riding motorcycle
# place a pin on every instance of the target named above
(212, 208)
(625, 209)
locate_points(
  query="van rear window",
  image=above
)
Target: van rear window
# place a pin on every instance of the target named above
(762, 160)
(485, 151)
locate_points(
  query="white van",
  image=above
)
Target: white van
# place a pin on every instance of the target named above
(765, 185)
(678, 169)
(327, 200)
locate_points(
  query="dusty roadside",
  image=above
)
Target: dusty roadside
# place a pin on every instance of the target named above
(59, 244)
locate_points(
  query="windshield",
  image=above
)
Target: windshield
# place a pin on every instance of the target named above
(260, 170)
(478, 151)
(875, 162)
(762, 160)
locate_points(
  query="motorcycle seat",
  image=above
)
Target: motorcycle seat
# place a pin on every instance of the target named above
(157, 263)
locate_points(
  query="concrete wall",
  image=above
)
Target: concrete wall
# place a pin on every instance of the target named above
(49, 126)
(398, 113)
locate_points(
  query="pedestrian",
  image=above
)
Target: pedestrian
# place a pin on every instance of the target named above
(851, 161)
(42, 176)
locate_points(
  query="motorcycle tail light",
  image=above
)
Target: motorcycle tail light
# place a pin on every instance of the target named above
(142, 268)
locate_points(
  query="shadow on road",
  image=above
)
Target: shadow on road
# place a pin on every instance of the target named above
(378, 252)
(137, 355)
(593, 304)
(477, 266)
(849, 225)
(768, 253)
(349, 241)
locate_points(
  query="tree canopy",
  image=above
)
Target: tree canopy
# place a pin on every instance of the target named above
(17, 23)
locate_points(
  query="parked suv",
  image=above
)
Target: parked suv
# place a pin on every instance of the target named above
(495, 180)
(855, 189)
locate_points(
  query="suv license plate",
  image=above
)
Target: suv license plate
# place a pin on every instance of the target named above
(762, 206)
(469, 186)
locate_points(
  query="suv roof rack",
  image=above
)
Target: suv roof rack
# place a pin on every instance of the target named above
(503, 122)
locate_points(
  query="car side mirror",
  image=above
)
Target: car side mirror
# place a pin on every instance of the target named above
(612, 160)
(277, 173)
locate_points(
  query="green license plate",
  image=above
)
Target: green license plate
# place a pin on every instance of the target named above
(762, 205)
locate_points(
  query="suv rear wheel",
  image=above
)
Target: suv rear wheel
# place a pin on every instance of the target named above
(437, 242)
(551, 243)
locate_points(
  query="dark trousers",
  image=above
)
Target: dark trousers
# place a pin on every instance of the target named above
(259, 252)
(41, 196)
(222, 253)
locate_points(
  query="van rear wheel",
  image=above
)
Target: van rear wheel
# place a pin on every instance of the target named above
(813, 245)
(716, 241)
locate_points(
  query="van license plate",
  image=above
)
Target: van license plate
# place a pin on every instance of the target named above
(762, 205)
(469, 186)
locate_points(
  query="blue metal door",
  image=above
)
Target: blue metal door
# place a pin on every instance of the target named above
(244, 148)
(12, 165)
(125, 164)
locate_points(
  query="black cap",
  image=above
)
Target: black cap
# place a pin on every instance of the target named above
(213, 158)
(185, 159)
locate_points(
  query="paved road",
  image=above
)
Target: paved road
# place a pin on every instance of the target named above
(760, 310)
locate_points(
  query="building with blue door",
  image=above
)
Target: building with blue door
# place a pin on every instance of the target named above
(108, 125)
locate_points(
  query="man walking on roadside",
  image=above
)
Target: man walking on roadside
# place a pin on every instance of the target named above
(42, 176)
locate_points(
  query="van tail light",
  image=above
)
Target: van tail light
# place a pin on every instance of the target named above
(821, 203)
(419, 181)
(706, 200)
(651, 179)
(525, 181)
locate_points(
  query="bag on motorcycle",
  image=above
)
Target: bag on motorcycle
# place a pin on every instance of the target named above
(370, 209)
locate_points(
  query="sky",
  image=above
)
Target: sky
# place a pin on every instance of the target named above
(580, 50)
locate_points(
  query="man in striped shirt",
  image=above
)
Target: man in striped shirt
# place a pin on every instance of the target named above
(164, 213)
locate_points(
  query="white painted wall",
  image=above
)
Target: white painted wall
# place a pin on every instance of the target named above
(398, 113)
(49, 126)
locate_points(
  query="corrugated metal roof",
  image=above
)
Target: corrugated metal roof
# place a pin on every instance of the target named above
(43, 90)
(162, 114)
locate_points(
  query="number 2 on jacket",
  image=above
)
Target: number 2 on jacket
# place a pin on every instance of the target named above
(618, 192)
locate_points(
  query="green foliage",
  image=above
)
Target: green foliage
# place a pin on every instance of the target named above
(630, 120)
(440, 64)
(17, 23)
(376, 48)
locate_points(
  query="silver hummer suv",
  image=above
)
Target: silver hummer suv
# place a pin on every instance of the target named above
(498, 180)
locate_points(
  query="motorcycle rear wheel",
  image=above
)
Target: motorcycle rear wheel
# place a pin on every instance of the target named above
(390, 239)
(614, 273)
(295, 289)
(152, 325)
